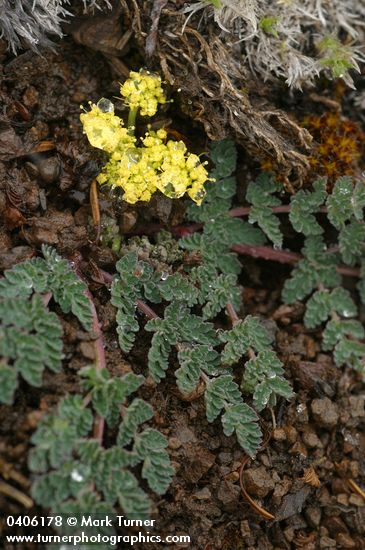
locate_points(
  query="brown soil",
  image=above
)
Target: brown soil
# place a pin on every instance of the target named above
(302, 476)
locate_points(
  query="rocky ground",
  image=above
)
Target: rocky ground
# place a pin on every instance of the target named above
(310, 473)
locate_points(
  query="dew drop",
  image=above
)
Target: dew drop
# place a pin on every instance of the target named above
(105, 106)
(164, 275)
(76, 476)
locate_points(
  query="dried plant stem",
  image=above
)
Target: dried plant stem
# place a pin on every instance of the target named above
(15, 494)
(95, 209)
(100, 362)
(8, 472)
(356, 488)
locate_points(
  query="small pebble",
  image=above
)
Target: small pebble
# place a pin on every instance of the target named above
(203, 494)
(258, 482)
(311, 439)
(291, 434)
(343, 499)
(88, 349)
(279, 434)
(357, 406)
(313, 515)
(289, 534)
(345, 541)
(174, 443)
(327, 542)
(325, 412)
(49, 169)
(356, 500)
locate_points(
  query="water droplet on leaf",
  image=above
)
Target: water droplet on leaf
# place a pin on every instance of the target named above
(76, 476)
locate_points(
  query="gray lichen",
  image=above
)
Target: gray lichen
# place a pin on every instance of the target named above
(291, 39)
(26, 23)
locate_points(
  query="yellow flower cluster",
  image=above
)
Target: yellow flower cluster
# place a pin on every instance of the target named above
(143, 91)
(104, 129)
(140, 171)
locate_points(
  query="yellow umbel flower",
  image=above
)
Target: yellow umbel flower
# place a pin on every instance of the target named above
(157, 164)
(140, 171)
(143, 91)
(104, 129)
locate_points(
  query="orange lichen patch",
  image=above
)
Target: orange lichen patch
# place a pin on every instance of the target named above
(337, 145)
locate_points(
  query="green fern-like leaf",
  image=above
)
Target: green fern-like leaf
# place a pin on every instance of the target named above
(178, 326)
(260, 195)
(322, 303)
(337, 329)
(358, 200)
(243, 420)
(136, 414)
(339, 204)
(125, 291)
(351, 241)
(108, 393)
(67, 289)
(58, 434)
(318, 308)
(264, 377)
(177, 287)
(8, 381)
(30, 340)
(158, 357)
(303, 281)
(350, 353)
(304, 205)
(150, 446)
(195, 360)
(246, 334)
(53, 274)
(316, 268)
(220, 393)
(133, 500)
(224, 155)
(221, 291)
(51, 489)
(24, 279)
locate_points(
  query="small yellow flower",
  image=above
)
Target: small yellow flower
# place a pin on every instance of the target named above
(143, 91)
(104, 129)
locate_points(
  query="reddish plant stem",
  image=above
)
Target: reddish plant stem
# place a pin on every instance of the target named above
(282, 209)
(231, 312)
(349, 271)
(142, 306)
(285, 257)
(46, 298)
(267, 253)
(182, 230)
